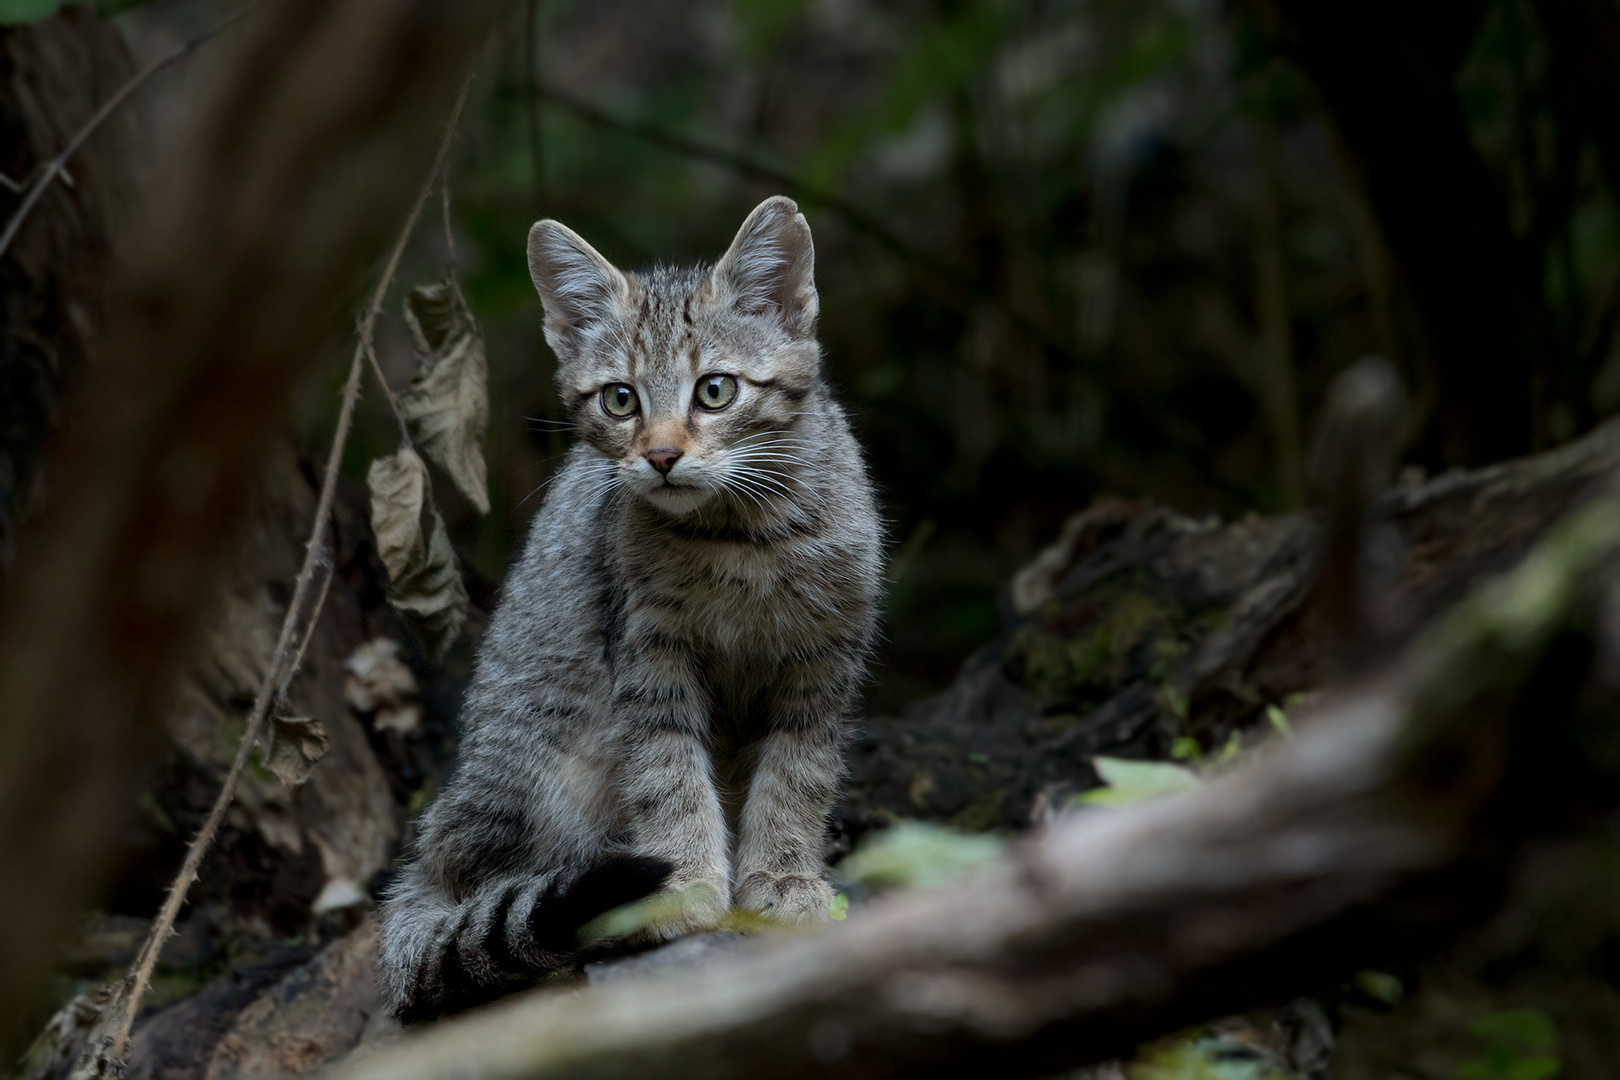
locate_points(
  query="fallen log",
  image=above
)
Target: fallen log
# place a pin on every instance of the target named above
(1141, 625)
(1386, 824)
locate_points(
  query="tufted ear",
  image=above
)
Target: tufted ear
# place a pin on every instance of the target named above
(578, 287)
(771, 267)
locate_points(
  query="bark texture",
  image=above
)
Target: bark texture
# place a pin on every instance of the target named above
(53, 280)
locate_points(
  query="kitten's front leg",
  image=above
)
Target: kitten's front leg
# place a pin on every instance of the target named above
(784, 821)
(667, 777)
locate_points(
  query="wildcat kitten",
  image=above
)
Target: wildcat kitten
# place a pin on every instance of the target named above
(660, 698)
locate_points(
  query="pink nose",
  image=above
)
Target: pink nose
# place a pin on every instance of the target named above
(664, 458)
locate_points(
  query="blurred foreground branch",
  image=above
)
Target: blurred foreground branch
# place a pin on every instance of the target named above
(283, 194)
(1387, 824)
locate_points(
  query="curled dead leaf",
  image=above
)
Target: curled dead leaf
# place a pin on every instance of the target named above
(447, 404)
(379, 682)
(294, 745)
(424, 580)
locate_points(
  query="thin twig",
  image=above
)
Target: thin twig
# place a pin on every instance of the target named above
(368, 347)
(449, 234)
(274, 680)
(297, 664)
(748, 166)
(368, 321)
(57, 165)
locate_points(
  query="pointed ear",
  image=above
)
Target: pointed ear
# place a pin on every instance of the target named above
(771, 267)
(578, 287)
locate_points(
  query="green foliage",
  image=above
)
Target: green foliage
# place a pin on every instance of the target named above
(1186, 748)
(1191, 751)
(1381, 986)
(13, 12)
(671, 907)
(1279, 721)
(1518, 1045)
(1135, 781)
(840, 907)
(17, 12)
(1201, 1057)
(917, 854)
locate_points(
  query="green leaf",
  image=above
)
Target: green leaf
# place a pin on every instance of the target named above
(670, 906)
(1186, 748)
(1134, 781)
(1380, 986)
(1532, 1068)
(1507, 1067)
(978, 758)
(915, 853)
(840, 907)
(13, 12)
(1202, 1057)
(1279, 720)
(1516, 1030)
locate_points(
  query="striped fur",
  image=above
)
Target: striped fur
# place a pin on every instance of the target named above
(661, 695)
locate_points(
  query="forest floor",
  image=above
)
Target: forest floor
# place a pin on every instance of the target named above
(1140, 633)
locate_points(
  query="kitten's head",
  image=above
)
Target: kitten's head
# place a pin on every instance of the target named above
(691, 381)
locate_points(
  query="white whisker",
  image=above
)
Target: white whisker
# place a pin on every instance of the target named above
(765, 479)
(726, 485)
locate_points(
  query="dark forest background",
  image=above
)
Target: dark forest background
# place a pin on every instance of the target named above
(1070, 248)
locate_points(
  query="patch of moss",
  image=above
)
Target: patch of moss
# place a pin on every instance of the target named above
(1127, 634)
(982, 814)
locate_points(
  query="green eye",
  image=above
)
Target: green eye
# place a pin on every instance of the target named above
(619, 400)
(715, 391)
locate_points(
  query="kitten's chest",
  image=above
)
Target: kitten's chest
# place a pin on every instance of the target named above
(747, 601)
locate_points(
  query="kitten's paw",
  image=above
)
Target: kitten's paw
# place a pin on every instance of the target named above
(795, 899)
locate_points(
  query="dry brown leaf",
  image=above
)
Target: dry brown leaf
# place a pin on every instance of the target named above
(379, 682)
(447, 403)
(424, 580)
(294, 746)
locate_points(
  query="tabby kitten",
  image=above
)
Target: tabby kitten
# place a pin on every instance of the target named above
(660, 698)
